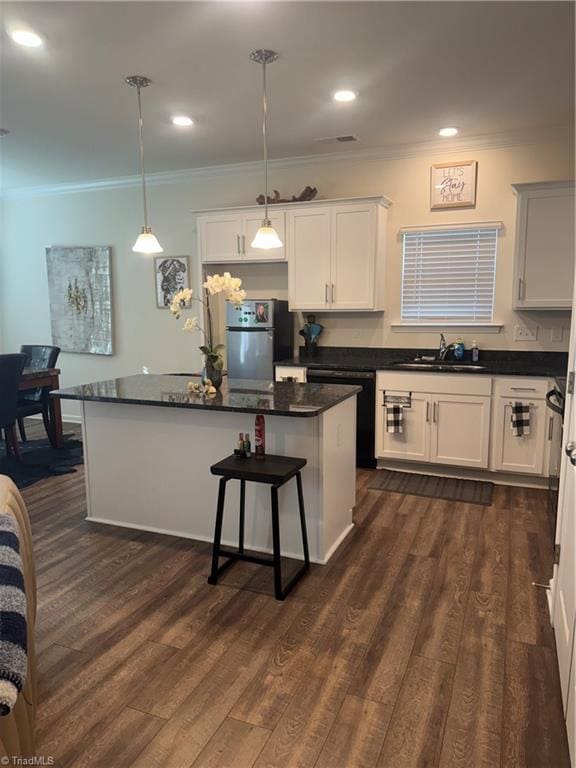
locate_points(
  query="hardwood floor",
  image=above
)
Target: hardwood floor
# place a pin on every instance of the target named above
(421, 643)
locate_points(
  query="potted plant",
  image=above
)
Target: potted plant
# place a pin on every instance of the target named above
(213, 354)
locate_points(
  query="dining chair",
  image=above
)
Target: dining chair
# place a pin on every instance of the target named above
(11, 367)
(36, 401)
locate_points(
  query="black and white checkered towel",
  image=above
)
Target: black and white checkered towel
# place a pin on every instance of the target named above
(395, 419)
(520, 419)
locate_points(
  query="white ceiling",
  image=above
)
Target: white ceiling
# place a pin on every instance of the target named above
(485, 67)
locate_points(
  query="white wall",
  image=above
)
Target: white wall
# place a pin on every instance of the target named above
(145, 335)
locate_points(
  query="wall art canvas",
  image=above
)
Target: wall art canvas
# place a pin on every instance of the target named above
(172, 273)
(80, 298)
(453, 185)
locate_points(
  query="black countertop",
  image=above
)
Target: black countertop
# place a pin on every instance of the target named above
(275, 399)
(494, 362)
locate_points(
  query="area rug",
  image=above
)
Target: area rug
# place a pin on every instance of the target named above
(449, 488)
(40, 460)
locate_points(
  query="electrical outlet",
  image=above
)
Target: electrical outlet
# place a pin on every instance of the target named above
(524, 333)
(556, 334)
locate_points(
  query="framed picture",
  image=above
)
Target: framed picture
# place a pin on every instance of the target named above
(80, 297)
(453, 185)
(171, 274)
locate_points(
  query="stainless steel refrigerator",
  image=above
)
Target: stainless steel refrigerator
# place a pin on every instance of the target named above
(259, 332)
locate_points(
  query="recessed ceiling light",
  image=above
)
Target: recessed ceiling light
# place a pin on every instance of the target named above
(182, 120)
(447, 132)
(344, 96)
(26, 37)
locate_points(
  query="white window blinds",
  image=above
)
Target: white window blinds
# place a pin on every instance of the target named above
(448, 275)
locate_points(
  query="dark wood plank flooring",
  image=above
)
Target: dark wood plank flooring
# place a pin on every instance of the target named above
(421, 643)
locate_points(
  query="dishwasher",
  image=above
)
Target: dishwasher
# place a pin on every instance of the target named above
(365, 407)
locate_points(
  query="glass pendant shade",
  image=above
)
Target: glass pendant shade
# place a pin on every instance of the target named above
(147, 242)
(266, 238)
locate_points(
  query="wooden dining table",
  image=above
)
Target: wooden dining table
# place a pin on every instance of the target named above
(46, 378)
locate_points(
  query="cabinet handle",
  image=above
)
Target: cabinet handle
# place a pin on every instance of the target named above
(551, 428)
(434, 412)
(244, 244)
(427, 410)
(520, 288)
(238, 244)
(523, 389)
(325, 293)
(332, 294)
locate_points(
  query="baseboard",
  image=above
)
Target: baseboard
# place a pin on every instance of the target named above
(465, 473)
(70, 418)
(208, 539)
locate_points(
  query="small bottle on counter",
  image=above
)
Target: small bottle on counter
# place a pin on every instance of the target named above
(239, 450)
(459, 349)
(247, 446)
(475, 351)
(259, 437)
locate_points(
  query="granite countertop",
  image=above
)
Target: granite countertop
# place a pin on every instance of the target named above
(494, 362)
(244, 396)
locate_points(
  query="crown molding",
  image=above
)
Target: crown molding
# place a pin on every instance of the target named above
(392, 152)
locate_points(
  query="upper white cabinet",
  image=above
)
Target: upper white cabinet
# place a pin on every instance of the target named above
(334, 249)
(544, 257)
(226, 236)
(336, 256)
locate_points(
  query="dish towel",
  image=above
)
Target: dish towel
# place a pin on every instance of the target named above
(395, 419)
(520, 419)
(13, 643)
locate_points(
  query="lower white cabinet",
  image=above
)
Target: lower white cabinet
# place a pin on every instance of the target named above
(460, 430)
(413, 443)
(530, 453)
(465, 421)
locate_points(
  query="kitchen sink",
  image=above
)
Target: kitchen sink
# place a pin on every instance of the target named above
(437, 365)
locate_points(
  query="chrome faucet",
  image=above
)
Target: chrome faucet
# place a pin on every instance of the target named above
(444, 348)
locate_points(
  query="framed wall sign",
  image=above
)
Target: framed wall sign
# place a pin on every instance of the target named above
(171, 274)
(453, 185)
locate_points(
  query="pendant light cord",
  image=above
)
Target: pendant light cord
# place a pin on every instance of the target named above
(142, 170)
(264, 121)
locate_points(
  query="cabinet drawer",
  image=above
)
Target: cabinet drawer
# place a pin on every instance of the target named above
(290, 372)
(435, 383)
(518, 388)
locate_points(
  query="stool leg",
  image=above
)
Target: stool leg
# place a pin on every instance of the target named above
(213, 578)
(276, 545)
(242, 510)
(302, 518)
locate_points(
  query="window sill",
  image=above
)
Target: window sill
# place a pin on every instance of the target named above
(439, 327)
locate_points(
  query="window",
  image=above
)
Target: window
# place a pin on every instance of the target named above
(448, 274)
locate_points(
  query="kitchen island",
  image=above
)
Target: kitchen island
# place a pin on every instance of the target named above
(149, 444)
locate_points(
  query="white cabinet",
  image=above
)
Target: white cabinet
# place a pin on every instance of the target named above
(544, 255)
(460, 434)
(530, 453)
(413, 443)
(309, 251)
(290, 373)
(226, 236)
(336, 256)
(439, 427)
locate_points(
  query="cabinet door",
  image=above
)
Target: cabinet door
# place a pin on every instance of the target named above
(308, 240)
(526, 454)
(545, 249)
(460, 432)
(352, 283)
(413, 443)
(251, 223)
(220, 238)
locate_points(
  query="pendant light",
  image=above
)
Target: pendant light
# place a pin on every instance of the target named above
(266, 237)
(146, 242)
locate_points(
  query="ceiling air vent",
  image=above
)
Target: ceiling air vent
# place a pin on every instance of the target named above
(338, 139)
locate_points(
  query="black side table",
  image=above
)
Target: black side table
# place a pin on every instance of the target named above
(275, 471)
